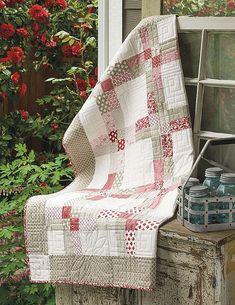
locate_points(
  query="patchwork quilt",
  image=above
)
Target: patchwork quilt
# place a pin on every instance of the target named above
(130, 144)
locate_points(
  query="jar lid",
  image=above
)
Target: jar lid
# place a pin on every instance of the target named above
(213, 172)
(191, 181)
(198, 190)
(228, 178)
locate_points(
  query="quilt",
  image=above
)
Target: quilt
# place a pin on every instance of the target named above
(130, 145)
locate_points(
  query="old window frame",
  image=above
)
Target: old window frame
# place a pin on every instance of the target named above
(205, 25)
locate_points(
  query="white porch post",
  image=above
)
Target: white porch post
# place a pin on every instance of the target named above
(110, 31)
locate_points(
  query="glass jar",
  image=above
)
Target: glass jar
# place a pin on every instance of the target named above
(212, 180)
(191, 182)
(226, 188)
(199, 191)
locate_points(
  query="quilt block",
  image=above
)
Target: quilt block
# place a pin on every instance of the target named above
(130, 145)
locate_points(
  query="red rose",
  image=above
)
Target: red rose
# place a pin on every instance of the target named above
(76, 49)
(67, 50)
(3, 97)
(62, 4)
(2, 4)
(36, 27)
(54, 126)
(14, 2)
(7, 30)
(92, 82)
(23, 89)
(15, 77)
(53, 3)
(24, 114)
(83, 94)
(15, 55)
(38, 13)
(96, 71)
(231, 5)
(91, 9)
(81, 84)
(23, 32)
(52, 43)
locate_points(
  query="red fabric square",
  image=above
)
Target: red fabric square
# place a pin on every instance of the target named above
(121, 144)
(142, 123)
(66, 212)
(147, 54)
(107, 85)
(74, 224)
(167, 145)
(180, 124)
(156, 61)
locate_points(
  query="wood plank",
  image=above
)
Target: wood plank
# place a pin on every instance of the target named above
(130, 19)
(180, 231)
(205, 23)
(151, 8)
(132, 4)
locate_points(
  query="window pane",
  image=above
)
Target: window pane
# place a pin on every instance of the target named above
(221, 56)
(218, 110)
(189, 44)
(199, 8)
(191, 95)
(223, 154)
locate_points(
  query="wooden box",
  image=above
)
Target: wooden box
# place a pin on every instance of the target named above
(194, 269)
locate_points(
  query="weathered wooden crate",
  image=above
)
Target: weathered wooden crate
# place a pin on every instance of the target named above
(193, 269)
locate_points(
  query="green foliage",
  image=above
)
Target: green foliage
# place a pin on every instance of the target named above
(20, 179)
(199, 7)
(32, 160)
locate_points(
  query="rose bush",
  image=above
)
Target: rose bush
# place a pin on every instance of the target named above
(199, 8)
(59, 37)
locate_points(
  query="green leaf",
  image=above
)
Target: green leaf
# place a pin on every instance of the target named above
(18, 21)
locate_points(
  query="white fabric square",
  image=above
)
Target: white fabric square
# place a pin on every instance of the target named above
(138, 170)
(130, 47)
(102, 169)
(174, 90)
(56, 242)
(92, 120)
(166, 29)
(39, 267)
(145, 243)
(116, 161)
(95, 243)
(132, 96)
(60, 200)
(182, 143)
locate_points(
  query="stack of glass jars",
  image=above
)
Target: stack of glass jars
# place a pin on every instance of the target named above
(215, 186)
